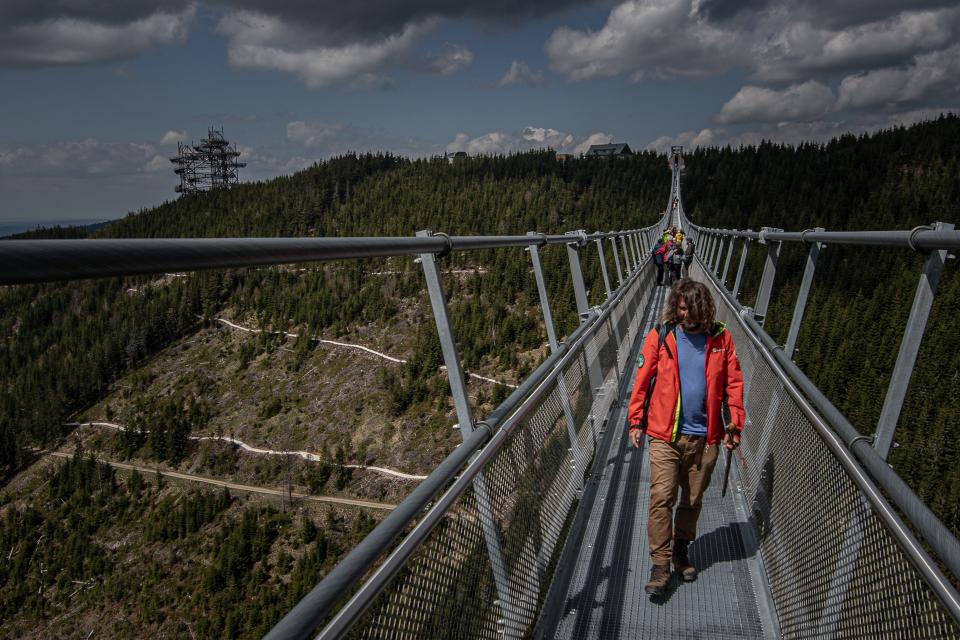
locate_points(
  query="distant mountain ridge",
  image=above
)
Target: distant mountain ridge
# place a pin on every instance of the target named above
(54, 228)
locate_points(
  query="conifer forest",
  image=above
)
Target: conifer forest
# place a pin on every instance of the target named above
(149, 556)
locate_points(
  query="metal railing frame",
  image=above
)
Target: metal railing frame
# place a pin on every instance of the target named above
(501, 425)
(869, 478)
(865, 464)
(34, 261)
(934, 241)
(28, 261)
(318, 605)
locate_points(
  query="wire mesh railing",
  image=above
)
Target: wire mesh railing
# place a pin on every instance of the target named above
(833, 566)
(518, 495)
(487, 524)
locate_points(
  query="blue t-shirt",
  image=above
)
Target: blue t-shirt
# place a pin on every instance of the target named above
(691, 357)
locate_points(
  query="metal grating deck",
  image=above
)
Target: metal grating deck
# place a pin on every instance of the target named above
(605, 597)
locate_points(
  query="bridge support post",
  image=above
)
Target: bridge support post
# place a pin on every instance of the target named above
(743, 263)
(802, 296)
(632, 241)
(575, 450)
(583, 306)
(769, 275)
(458, 388)
(724, 250)
(603, 268)
(637, 247)
(715, 265)
(579, 288)
(708, 255)
(726, 264)
(626, 254)
(910, 346)
(616, 260)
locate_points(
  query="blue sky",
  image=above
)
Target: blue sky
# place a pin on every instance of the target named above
(96, 95)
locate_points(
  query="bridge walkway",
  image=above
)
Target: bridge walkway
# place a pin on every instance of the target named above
(605, 596)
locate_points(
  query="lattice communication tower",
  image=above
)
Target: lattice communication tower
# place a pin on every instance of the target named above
(212, 164)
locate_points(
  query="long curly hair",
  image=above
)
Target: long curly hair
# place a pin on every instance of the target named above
(701, 310)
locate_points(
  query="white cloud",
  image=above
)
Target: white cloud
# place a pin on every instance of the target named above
(312, 134)
(587, 142)
(776, 41)
(662, 38)
(807, 101)
(173, 137)
(521, 73)
(80, 158)
(932, 75)
(72, 41)
(158, 163)
(689, 139)
(800, 48)
(501, 143)
(264, 42)
(454, 59)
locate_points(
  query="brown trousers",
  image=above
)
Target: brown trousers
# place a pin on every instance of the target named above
(686, 465)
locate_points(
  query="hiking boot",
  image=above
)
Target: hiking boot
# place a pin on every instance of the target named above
(659, 580)
(681, 562)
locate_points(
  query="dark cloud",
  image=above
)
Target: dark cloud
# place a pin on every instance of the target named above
(70, 32)
(722, 10)
(15, 13)
(826, 14)
(339, 22)
(76, 33)
(839, 14)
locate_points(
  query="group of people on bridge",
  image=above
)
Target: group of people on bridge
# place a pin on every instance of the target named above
(672, 252)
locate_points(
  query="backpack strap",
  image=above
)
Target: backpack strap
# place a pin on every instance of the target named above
(663, 330)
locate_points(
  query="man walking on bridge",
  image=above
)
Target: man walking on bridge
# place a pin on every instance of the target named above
(687, 368)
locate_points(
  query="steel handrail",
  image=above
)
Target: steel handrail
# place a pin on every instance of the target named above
(502, 427)
(862, 463)
(319, 603)
(28, 261)
(930, 528)
(917, 239)
(314, 607)
(31, 261)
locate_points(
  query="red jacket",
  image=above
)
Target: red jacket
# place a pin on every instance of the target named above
(724, 382)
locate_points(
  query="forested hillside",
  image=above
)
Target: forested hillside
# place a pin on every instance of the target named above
(861, 297)
(148, 353)
(65, 343)
(88, 546)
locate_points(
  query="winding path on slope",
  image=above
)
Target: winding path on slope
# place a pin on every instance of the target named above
(306, 455)
(348, 345)
(239, 487)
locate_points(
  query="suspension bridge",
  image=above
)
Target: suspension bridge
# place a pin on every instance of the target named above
(534, 526)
